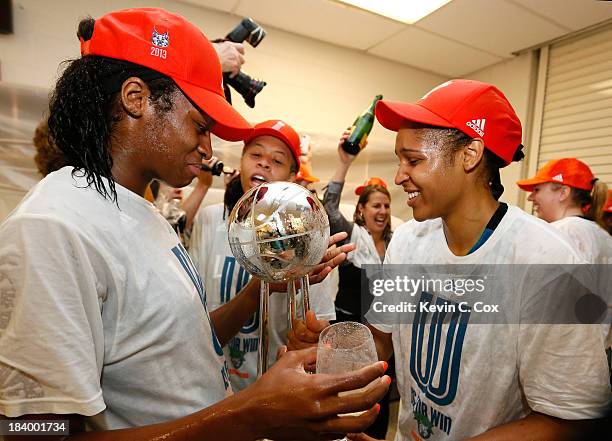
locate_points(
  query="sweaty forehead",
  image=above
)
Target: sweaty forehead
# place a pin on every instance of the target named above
(419, 139)
(271, 144)
(408, 139)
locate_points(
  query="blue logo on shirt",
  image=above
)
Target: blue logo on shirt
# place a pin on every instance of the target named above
(427, 363)
(192, 272)
(231, 286)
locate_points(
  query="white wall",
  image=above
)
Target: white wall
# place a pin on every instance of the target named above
(317, 87)
(514, 78)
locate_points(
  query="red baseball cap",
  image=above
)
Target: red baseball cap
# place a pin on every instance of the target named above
(566, 171)
(280, 130)
(368, 182)
(169, 44)
(608, 207)
(479, 110)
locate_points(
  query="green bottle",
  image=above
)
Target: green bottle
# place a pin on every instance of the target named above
(360, 130)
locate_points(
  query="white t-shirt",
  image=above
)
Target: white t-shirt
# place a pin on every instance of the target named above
(101, 311)
(224, 278)
(590, 241)
(491, 374)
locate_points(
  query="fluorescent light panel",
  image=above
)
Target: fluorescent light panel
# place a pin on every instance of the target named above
(406, 11)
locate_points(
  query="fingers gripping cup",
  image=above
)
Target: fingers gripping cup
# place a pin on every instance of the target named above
(278, 232)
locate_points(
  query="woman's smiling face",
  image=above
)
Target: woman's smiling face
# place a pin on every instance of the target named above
(428, 173)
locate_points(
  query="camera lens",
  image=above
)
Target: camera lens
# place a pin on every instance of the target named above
(247, 87)
(256, 36)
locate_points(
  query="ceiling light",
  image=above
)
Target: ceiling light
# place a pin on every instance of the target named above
(406, 11)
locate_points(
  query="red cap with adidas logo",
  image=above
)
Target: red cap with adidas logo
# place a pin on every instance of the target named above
(169, 44)
(565, 171)
(478, 109)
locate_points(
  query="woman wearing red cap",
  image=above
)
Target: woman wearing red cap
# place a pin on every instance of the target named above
(102, 312)
(460, 379)
(271, 153)
(371, 232)
(565, 193)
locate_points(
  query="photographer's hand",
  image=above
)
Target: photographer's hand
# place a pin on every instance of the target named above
(227, 178)
(205, 176)
(231, 55)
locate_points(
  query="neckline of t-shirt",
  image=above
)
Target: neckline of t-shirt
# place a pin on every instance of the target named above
(490, 243)
(120, 189)
(133, 197)
(575, 219)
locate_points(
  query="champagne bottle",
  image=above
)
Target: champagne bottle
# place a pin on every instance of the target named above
(360, 130)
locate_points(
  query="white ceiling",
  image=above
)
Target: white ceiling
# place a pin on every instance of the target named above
(459, 38)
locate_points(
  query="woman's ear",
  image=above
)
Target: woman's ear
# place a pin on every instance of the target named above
(564, 193)
(133, 96)
(472, 154)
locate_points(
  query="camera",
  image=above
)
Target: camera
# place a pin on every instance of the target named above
(247, 30)
(218, 168)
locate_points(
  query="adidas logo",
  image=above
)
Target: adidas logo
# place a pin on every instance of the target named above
(558, 178)
(477, 125)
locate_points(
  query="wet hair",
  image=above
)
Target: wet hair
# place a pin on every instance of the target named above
(49, 157)
(85, 108)
(453, 140)
(364, 197)
(233, 193)
(591, 201)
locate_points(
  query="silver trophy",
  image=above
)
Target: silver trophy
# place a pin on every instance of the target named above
(278, 232)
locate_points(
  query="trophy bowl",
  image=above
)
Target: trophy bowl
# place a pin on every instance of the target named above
(278, 231)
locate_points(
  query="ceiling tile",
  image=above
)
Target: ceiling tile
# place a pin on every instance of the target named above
(433, 53)
(322, 20)
(575, 14)
(496, 26)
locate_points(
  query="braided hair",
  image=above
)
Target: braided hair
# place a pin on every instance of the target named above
(84, 109)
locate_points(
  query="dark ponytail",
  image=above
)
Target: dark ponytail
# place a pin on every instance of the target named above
(84, 110)
(233, 193)
(493, 164)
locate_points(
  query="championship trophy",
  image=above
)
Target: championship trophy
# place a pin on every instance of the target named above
(278, 232)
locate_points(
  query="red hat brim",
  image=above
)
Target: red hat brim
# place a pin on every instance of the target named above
(360, 189)
(529, 184)
(392, 115)
(229, 124)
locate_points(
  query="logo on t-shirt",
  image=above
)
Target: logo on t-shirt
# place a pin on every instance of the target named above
(183, 257)
(435, 358)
